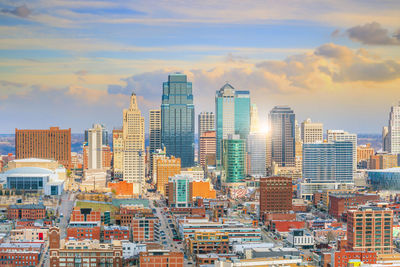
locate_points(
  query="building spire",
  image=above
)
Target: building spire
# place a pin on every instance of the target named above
(133, 104)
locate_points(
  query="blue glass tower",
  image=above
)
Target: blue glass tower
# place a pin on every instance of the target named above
(177, 118)
(328, 162)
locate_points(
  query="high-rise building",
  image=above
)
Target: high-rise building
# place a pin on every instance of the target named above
(166, 167)
(234, 158)
(394, 130)
(311, 132)
(95, 144)
(254, 120)
(328, 162)
(370, 229)
(133, 156)
(104, 134)
(179, 194)
(282, 132)
(385, 139)
(52, 144)
(340, 135)
(232, 111)
(156, 155)
(276, 195)
(256, 152)
(207, 143)
(118, 153)
(206, 122)
(177, 118)
(155, 130)
(364, 152)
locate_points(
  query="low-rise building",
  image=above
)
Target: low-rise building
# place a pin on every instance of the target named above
(161, 258)
(29, 234)
(208, 242)
(116, 233)
(29, 211)
(132, 249)
(301, 238)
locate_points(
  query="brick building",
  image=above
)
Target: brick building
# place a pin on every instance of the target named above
(364, 152)
(143, 225)
(85, 215)
(29, 212)
(370, 229)
(340, 203)
(207, 148)
(341, 258)
(166, 167)
(276, 194)
(53, 144)
(115, 233)
(161, 258)
(81, 253)
(84, 224)
(209, 242)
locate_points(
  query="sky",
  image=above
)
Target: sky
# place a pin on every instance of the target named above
(73, 63)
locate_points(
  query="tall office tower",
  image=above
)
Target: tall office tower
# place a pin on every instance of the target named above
(256, 152)
(208, 141)
(328, 162)
(234, 158)
(206, 122)
(155, 130)
(95, 145)
(340, 135)
(118, 153)
(53, 144)
(166, 167)
(133, 156)
(104, 134)
(394, 130)
(254, 120)
(311, 132)
(179, 191)
(232, 111)
(282, 128)
(276, 195)
(297, 131)
(177, 118)
(370, 229)
(385, 139)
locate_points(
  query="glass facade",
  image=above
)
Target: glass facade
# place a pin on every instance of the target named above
(234, 155)
(26, 183)
(242, 113)
(177, 119)
(388, 179)
(328, 162)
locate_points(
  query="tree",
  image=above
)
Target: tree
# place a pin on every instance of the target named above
(330, 236)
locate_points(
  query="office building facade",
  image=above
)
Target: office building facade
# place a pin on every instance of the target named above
(256, 152)
(276, 194)
(234, 158)
(207, 148)
(118, 153)
(206, 122)
(312, 132)
(154, 130)
(340, 135)
(177, 118)
(394, 130)
(166, 167)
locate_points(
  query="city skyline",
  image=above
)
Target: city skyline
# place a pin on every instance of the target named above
(63, 61)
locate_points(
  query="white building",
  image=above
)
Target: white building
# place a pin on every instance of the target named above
(300, 238)
(195, 173)
(394, 130)
(206, 122)
(95, 144)
(134, 155)
(340, 135)
(257, 152)
(312, 132)
(130, 249)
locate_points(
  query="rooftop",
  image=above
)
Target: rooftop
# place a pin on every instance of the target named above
(29, 170)
(28, 206)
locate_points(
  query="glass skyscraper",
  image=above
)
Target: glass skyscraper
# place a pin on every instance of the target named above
(234, 155)
(232, 111)
(328, 162)
(177, 118)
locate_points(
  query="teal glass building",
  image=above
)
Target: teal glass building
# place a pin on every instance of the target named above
(328, 162)
(234, 156)
(177, 119)
(232, 115)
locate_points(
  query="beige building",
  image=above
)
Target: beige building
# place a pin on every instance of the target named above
(166, 167)
(95, 144)
(158, 154)
(197, 173)
(134, 154)
(118, 153)
(29, 235)
(312, 132)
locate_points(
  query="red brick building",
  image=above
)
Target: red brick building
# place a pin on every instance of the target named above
(84, 224)
(276, 195)
(160, 258)
(141, 222)
(19, 258)
(29, 212)
(370, 229)
(341, 258)
(340, 203)
(116, 233)
(85, 215)
(52, 144)
(286, 226)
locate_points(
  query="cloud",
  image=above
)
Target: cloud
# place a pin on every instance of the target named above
(20, 11)
(373, 34)
(4, 83)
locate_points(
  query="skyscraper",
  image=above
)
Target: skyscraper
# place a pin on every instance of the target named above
(177, 118)
(256, 151)
(340, 135)
(254, 120)
(155, 130)
(104, 135)
(394, 130)
(328, 162)
(95, 144)
(232, 110)
(311, 132)
(234, 158)
(282, 127)
(118, 153)
(207, 146)
(385, 139)
(133, 156)
(206, 122)
(53, 144)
